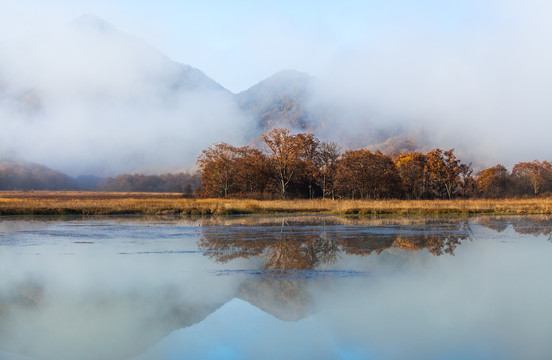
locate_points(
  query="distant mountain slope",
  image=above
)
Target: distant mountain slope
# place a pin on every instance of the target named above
(92, 99)
(279, 101)
(28, 176)
(92, 58)
(295, 100)
(179, 77)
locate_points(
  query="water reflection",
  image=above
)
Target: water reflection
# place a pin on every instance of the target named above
(286, 299)
(297, 244)
(118, 288)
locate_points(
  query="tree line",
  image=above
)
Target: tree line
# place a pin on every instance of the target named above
(299, 165)
(184, 183)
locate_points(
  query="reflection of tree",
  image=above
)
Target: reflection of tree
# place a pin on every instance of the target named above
(527, 225)
(223, 248)
(494, 223)
(533, 226)
(290, 254)
(305, 248)
(282, 250)
(436, 245)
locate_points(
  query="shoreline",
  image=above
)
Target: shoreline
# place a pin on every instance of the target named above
(98, 203)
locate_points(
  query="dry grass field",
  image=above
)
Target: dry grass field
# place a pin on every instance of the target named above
(98, 203)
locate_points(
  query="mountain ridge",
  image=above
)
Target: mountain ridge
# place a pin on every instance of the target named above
(116, 76)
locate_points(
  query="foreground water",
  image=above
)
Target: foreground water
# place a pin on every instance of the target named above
(276, 288)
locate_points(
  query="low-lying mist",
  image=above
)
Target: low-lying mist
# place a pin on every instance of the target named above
(91, 99)
(480, 84)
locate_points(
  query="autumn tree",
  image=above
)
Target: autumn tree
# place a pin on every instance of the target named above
(253, 170)
(536, 174)
(364, 174)
(307, 146)
(411, 168)
(466, 180)
(494, 181)
(443, 168)
(326, 166)
(353, 174)
(387, 177)
(283, 152)
(219, 173)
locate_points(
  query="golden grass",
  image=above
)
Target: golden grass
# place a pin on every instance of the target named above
(97, 203)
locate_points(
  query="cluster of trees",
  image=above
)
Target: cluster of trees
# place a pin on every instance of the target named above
(526, 178)
(302, 166)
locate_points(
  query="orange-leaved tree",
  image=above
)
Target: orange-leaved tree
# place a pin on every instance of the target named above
(364, 174)
(326, 164)
(253, 171)
(494, 181)
(308, 151)
(283, 153)
(443, 168)
(537, 174)
(217, 165)
(411, 167)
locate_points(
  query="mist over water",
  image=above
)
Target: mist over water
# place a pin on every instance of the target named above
(303, 287)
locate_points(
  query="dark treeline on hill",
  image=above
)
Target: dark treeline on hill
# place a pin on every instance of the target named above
(301, 166)
(24, 176)
(27, 176)
(173, 183)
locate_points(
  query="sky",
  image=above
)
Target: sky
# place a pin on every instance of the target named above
(239, 43)
(470, 75)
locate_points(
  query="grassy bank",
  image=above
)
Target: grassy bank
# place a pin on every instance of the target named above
(95, 203)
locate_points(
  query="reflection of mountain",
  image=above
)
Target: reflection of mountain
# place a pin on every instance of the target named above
(117, 306)
(108, 326)
(121, 325)
(283, 298)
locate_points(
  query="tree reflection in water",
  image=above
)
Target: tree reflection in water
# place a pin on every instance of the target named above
(527, 225)
(298, 245)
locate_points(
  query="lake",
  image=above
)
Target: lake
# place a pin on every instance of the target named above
(277, 287)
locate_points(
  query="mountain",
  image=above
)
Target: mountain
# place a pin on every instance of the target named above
(179, 77)
(92, 99)
(404, 142)
(182, 77)
(27, 176)
(91, 58)
(279, 101)
(298, 101)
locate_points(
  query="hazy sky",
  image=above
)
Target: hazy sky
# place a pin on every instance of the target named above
(240, 43)
(471, 75)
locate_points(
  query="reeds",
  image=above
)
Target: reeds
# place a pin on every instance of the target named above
(96, 203)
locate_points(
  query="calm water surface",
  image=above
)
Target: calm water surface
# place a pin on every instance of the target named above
(276, 288)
